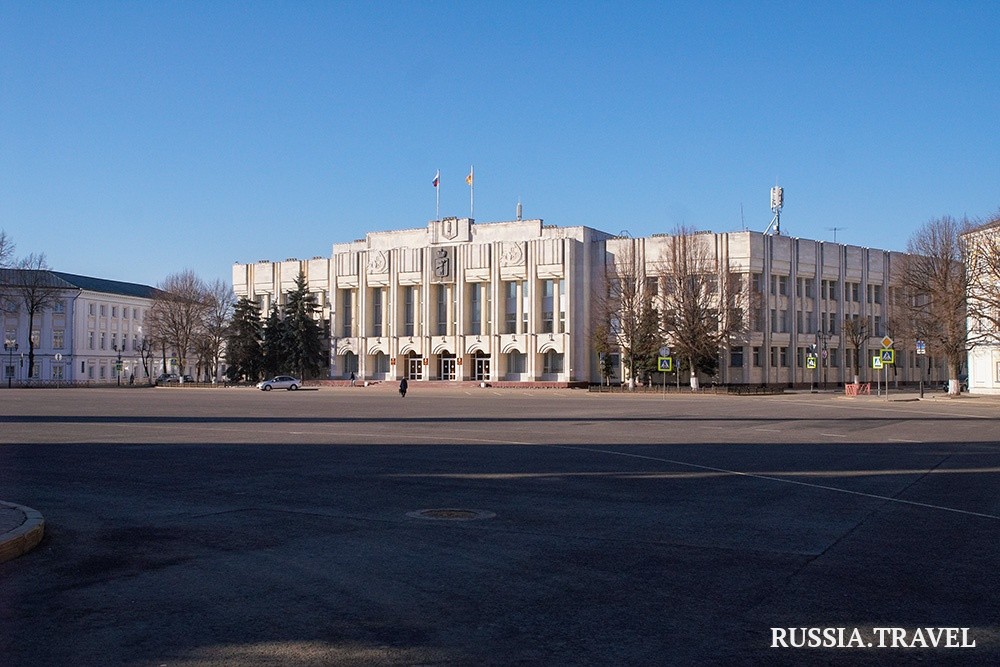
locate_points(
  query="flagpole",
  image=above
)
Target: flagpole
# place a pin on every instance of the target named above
(437, 195)
(471, 180)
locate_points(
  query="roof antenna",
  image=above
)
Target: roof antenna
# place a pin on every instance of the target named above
(777, 201)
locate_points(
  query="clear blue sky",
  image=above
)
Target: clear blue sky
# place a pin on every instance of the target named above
(138, 139)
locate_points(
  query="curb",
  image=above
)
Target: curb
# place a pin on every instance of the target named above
(23, 538)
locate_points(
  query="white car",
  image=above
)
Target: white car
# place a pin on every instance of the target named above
(280, 382)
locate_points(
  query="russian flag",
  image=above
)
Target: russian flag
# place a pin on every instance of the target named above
(437, 178)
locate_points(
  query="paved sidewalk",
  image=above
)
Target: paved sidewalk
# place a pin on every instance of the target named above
(21, 529)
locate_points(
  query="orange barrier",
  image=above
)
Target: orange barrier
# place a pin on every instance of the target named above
(857, 389)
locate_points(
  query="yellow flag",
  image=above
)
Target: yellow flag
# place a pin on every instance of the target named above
(468, 179)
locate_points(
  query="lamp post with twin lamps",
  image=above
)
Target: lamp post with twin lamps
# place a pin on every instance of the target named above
(11, 347)
(118, 366)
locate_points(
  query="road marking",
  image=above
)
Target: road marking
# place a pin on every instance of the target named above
(769, 478)
(902, 440)
(834, 435)
(769, 430)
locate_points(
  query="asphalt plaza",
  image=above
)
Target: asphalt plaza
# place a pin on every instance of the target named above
(189, 526)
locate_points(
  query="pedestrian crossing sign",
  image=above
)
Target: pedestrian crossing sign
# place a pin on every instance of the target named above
(876, 362)
(888, 356)
(665, 364)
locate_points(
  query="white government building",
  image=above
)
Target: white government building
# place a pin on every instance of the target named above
(89, 327)
(513, 301)
(984, 353)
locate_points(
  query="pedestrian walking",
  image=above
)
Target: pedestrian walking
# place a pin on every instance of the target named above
(402, 387)
(353, 378)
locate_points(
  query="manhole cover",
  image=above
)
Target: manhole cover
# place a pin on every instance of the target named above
(450, 514)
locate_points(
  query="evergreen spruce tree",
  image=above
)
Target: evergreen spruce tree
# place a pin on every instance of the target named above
(302, 335)
(243, 344)
(273, 355)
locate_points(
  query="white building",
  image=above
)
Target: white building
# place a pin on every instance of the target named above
(89, 326)
(983, 246)
(513, 301)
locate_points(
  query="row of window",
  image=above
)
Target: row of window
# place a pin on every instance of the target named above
(94, 308)
(829, 323)
(806, 287)
(779, 358)
(517, 306)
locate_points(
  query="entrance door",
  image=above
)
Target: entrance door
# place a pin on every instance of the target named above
(482, 368)
(416, 368)
(447, 368)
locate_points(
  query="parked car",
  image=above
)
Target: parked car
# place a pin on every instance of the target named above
(167, 378)
(280, 382)
(188, 378)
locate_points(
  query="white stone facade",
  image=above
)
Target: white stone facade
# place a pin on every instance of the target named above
(513, 301)
(984, 353)
(75, 339)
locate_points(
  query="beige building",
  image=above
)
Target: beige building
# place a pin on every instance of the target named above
(514, 301)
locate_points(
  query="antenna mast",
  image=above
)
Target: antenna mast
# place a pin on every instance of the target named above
(777, 201)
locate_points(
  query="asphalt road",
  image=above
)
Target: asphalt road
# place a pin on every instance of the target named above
(228, 526)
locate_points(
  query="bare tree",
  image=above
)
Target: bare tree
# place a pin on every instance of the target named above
(626, 311)
(178, 312)
(982, 263)
(211, 335)
(856, 332)
(703, 302)
(6, 249)
(32, 285)
(935, 278)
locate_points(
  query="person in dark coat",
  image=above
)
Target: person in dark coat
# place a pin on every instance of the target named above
(402, 387)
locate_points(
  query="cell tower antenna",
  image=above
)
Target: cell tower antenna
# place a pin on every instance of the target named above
(835, 230)
(743, 220)
(777, 201)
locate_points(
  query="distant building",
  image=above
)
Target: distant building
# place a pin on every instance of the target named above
(514, 301)
(78, 336)
(984, 352)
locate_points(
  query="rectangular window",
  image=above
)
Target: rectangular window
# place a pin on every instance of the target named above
(810, 284)
(90, 340)
(377, 305)
(57, 372)
(510, 307)
(8, 371)
(998, 371)
(548, 306)
(833, 290)
(736, 357)
(135, 313)
(562, 306)
(856, 292)
(90, 372)
(125, 313)
(409, 310)
(347, 313)
(104, 310)
(92, 309)
(442, 310)
(516, 362)
(476, 308)
(783, 354)
(525, 308)
(58, 338)
(782, 285)
(114, 341)
(553, 363)
(114, 311)
(757, 283)
(758, 357)
(104, 341)
(59, 306)
(36, 337)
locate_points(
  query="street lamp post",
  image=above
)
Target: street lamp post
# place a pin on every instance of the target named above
(11, 347)
(118, 366)
(823, 336)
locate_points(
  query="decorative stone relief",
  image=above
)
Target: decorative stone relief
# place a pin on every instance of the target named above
(512, 254)
(378, 262)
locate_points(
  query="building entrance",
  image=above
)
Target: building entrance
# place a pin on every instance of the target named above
(415, 368)
(447, 370)
(482, 369)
